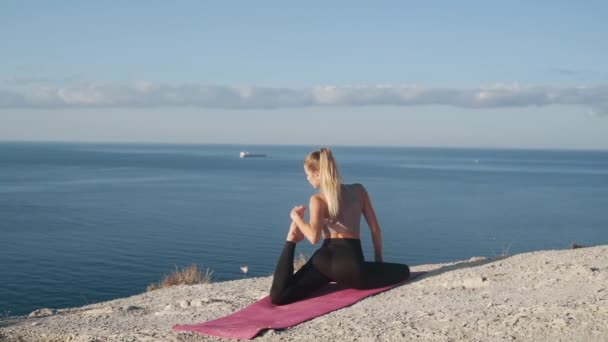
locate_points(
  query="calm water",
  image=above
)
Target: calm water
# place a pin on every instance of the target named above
(83, 223)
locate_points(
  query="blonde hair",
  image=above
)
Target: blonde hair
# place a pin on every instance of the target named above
(323, 161)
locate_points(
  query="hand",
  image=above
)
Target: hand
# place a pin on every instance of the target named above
(297, 212)
(378, 258)
(294, 235)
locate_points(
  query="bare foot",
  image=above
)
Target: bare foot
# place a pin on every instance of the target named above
(294, 234)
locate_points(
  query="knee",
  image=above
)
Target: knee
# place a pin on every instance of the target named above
(276, 301)
(277, 298)
(406, 272)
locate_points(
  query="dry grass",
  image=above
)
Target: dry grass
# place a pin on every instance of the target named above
(186, 276)
(575, 245)
(505, 251)
(299, 262)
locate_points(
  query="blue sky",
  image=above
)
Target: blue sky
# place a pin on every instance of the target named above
(434, 73)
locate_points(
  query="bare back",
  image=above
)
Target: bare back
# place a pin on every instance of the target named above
(348, 222)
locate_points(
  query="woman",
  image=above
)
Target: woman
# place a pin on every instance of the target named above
(335, 214)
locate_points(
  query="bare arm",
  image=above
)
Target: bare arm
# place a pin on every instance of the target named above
(312, 231)
(370, 217)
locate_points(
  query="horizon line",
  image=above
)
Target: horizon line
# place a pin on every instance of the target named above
(174, 143)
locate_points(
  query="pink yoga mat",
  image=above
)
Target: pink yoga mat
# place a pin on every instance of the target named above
(261, 315)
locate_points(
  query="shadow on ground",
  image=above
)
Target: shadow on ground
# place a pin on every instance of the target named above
(457, 266)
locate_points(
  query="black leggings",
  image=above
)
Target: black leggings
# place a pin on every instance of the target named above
(338, 260)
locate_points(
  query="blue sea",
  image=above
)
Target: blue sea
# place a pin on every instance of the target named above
(84, 223)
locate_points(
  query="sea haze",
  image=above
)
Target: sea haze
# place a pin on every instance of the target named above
(83, 223)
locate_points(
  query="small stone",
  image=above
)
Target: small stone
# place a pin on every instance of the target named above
(99, 311)
(271, 332)
(42, 312)
(477, 258)
(169, 307)
(560, 322)
(475, 282)
(197, 303)
(184, 304)
(34, 324)
(129, 308)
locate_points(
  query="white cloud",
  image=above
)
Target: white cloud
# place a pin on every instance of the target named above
(147, 94)
(21, 81)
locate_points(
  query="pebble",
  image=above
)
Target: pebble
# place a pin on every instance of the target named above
(559, 322)
(475, 282)
(129, 308)
(42, 312)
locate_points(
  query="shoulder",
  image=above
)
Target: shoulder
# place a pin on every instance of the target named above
(359, 188)
(317, 199)
(318, 204)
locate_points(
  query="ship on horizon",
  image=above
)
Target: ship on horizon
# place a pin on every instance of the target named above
(245, 154)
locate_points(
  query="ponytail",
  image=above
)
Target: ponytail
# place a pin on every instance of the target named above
(330, 178)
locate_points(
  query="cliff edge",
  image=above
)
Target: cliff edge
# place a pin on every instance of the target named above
(553, 295)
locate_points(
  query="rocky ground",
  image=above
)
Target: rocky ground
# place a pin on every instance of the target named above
(557, 295)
